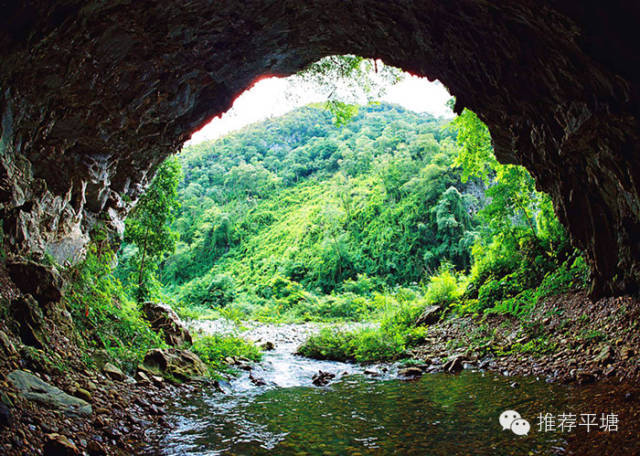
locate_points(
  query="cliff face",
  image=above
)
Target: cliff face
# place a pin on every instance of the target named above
(95, 94)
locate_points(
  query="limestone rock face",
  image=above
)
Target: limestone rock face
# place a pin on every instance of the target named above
(42, 282)
(95, 94)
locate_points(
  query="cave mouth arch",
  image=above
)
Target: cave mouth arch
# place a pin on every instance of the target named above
(95, 95)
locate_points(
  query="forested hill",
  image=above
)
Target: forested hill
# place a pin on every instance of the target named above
(297, 201)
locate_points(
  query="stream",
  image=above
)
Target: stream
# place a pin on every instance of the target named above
(358, 413)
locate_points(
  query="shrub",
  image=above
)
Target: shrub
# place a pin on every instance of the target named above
(214, 349)
(207, 291)
(361, 345)
(565, 278)
(443, 289)
(363, 285)
(373, 344)
(329, 344)
(103, 313)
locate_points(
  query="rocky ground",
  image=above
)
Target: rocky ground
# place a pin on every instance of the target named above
(568, 338)
(54, 402)
(119, 417)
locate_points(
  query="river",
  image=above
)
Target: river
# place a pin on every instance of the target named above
(359, 413)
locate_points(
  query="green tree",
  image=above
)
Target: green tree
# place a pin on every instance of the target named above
(148, 226)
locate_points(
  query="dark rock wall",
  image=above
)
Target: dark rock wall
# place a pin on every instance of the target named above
(94, 94)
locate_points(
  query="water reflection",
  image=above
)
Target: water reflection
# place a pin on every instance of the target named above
(437, 415)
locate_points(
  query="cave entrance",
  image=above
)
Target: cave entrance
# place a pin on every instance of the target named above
(83, 129)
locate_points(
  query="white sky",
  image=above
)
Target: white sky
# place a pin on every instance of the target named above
(274, 97)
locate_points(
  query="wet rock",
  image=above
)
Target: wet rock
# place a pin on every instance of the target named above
(256, 380)
(163, 319)
(41, 281)
(58, 445)
(372, 372)
(222, 386)
(584, 378)
(322, 378)
(267, 346)
(429, 316)
(455, 364)
(113, 372)
(181, 364)
(411, 371)
(37, 390)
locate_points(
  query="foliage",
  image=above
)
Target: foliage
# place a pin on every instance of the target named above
(362, 345)
(214, 349)
(147, 226)
(319, 209)
(444, 289)
(102, 311)
(386, 342)
(347, 81)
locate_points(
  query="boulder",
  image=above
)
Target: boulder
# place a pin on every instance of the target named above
(58, 445)
(267, 346)
(258, 381)
(429, 316)
(164, 319)
(113, 372)
(411, 371)
(35, 389)
(322, 378)
(41, 281)
(173, 362)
